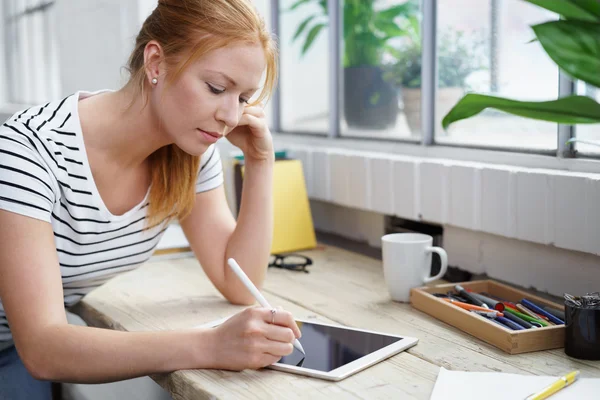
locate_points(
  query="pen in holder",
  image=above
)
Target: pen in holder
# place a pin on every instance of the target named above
(582, 334)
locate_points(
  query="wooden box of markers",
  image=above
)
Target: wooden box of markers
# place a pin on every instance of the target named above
(506, 339)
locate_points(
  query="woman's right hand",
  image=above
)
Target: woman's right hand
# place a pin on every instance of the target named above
(249, 340)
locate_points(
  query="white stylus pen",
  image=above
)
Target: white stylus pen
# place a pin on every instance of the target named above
(257, 295)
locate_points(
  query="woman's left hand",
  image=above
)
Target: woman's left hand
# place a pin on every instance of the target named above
(252, 135)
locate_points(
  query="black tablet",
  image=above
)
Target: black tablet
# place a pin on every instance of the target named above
(335, 352)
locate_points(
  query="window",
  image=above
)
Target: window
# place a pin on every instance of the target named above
(30, 52)
(381, 69)
(483, 47)
(304, 81)
(397, 62)
(588, 133)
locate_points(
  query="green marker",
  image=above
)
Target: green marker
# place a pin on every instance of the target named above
(525, 317)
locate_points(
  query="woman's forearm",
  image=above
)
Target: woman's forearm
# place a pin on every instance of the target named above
(80, 354)
(250, 243)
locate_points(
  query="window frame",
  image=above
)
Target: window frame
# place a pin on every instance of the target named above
(429, 89)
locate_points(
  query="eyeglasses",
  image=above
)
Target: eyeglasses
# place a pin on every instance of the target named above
(292, 261)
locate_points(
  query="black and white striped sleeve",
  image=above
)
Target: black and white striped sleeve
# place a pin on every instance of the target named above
(210, 175)
(27, 186)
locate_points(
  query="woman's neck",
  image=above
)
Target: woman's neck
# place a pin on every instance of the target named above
(118, 131)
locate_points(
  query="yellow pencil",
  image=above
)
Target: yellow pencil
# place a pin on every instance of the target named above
(549, 390)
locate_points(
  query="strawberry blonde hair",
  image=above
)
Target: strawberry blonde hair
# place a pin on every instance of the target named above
(186, 30)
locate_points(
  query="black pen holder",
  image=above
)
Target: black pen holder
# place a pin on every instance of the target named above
(582, 332)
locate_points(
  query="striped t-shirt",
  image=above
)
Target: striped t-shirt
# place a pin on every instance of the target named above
(45, 174)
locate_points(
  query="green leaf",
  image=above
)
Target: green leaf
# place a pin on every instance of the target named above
(302, 26)
(298, 4)
(574, 46)
(591, 6)
(323, 4)
(585, 10)
(389, 28)
(389, 14)
(567, 110)
(415, 24)
(312, 34)
(374, 98)
(362, 49)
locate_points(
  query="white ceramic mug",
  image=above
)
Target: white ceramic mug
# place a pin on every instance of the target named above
(407, 262)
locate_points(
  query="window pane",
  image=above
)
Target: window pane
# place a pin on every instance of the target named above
(381, 78)
(483, 47)
(304, 80)
(588, 132)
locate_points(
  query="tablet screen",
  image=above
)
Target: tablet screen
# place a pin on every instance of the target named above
(328, 347)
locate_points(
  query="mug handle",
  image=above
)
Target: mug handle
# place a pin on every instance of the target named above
(444, 257)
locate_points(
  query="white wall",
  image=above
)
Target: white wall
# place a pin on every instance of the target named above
(541, 267)
(550, 207)
(6, 110)
(530, 226)
(95, 40)
(545, 268)
(145, 7)
(351, 223)
(3, 76)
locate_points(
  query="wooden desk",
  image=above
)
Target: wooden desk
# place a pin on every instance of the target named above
(342, 287)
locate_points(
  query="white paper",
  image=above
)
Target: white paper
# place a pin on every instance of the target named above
(460, 385)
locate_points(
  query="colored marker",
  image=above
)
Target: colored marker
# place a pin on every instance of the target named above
(467, 306)
(489, 314)
(526, 317)
(539, 310)
(468, 296)
(496, 305)
(518, 320)
(527, 311)
(557, 313)
(508, 322)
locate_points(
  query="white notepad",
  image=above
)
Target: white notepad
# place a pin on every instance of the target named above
(460, 385)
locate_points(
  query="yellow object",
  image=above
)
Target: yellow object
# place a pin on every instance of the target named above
(292, 226)
(549, 390)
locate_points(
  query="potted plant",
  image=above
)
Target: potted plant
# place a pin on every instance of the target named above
(369, 100)
(573, 43)
(458, 57)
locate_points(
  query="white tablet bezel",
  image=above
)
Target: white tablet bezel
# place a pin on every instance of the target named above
(348, 369)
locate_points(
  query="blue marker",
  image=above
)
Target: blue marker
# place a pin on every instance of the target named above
(510, 324)
(541, 311)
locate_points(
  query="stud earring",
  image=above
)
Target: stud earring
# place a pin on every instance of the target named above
(154, 81)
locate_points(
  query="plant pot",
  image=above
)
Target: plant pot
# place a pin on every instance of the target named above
(446, 99)
(369, 101)
(411, 98)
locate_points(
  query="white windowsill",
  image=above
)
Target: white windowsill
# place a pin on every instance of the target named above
(440, 151)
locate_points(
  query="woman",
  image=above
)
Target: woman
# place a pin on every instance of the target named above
(89, 183)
